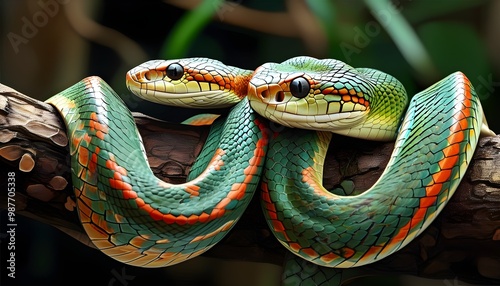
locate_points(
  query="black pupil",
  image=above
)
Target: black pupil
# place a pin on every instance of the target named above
(175, 71)
(299, 87)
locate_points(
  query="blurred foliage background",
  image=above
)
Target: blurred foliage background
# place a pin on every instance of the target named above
(48, 45)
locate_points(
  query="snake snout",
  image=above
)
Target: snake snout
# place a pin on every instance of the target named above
(146, 75)
(148, 72)
(269, 94)
(279, 96)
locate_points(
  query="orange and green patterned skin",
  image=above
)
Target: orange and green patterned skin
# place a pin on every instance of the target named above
(131, 215)
(434, 146)
(190, 82)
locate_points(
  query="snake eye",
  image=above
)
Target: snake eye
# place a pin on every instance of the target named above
(299, 87)
(175, 71)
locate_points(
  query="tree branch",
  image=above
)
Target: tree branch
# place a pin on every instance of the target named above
(465, 236)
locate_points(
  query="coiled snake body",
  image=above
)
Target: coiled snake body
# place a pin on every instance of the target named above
(131, 215)
(137, 219)
(435, 141)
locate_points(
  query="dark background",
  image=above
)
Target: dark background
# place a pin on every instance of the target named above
(106, 38)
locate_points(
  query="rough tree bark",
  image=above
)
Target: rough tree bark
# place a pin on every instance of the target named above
(463, 242)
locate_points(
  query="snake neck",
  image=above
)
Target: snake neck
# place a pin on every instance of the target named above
(388, 104)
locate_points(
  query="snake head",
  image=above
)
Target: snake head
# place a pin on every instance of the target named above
(328, 95)
(190, 82)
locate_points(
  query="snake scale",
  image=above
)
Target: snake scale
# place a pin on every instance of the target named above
(127, 212)
(135, 218)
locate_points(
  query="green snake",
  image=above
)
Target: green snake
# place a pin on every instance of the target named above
(131, 215)
(137, 219)
(435, 141)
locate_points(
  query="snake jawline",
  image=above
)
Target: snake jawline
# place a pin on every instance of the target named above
(435, 144)
(128, 213)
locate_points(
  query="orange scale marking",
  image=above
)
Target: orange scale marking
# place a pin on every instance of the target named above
(265, 194)
(180, 220)
(418, 216)
(203, 217)
(425, 202)
(464, 123)
(154, 213)
(223, 203)
(441, 176)
(456, 137)
(138, 241)
(119, 185)
(192, 219)
(295, 246)
(329, 257)
(87, 138)
(217, 213)
(343, 91)
(373, 251)
(218, 78)
(198, 77)
(208, 77)
(76, 141)
(140, 202)
(433, 190)
(121, 170)
(193, 190)
(129, 194)
(451, 150)
(168, 218)
(83, 156)
(401, 235)
(93, 162)
(347, 252)
(310, 252)
(328, 90)
(278, 226)
(117, 176)
(100, 134)
(448, 162)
